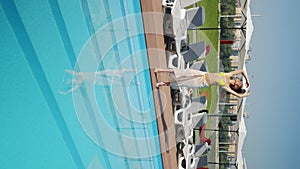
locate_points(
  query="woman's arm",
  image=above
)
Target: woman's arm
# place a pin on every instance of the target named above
(228, 89)
(235, 72)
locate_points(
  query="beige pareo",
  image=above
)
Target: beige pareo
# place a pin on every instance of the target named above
(195, 78)
(188, 78)
(216, 78)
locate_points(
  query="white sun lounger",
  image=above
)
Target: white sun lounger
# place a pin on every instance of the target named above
(184, 19)
(186, 119)
(194, 52)
(188, 162)
(183, 116)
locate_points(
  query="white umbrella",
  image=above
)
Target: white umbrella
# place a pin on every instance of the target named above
(242, 132)
(242, 135)
(244, 165)
(249, 24)
(244, 81)
(247, 30)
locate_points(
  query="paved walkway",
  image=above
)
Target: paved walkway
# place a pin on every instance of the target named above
(153, 25)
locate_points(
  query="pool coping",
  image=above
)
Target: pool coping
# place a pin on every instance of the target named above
(162, 97)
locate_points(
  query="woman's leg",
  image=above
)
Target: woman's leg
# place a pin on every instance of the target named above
(160, 70)
(70, 90)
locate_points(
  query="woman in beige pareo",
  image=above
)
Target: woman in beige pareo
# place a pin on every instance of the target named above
(199, 79)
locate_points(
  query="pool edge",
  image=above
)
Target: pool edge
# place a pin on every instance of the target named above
(157, 58)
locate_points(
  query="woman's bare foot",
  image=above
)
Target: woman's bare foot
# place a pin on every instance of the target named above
(162, 84)
(157, 85)
(156, 70)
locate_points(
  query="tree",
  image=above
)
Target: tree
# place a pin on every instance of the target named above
(225, 51)
(227, 8)
(226, 64)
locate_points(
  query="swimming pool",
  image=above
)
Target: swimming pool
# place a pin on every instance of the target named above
(108, 125)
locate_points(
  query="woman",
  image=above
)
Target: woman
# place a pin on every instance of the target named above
(195, 78)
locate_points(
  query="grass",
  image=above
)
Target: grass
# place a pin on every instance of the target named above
(211, 38)
(211, 20)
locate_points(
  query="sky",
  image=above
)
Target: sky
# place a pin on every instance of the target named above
(273, 134)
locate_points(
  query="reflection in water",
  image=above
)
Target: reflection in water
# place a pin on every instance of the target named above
(99, 78)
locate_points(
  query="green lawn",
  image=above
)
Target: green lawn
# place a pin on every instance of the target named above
(211, 38)
(211, 19)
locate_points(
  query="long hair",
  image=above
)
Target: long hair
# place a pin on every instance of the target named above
(239, 90)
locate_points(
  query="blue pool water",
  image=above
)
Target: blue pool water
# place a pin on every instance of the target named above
(108, 125)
